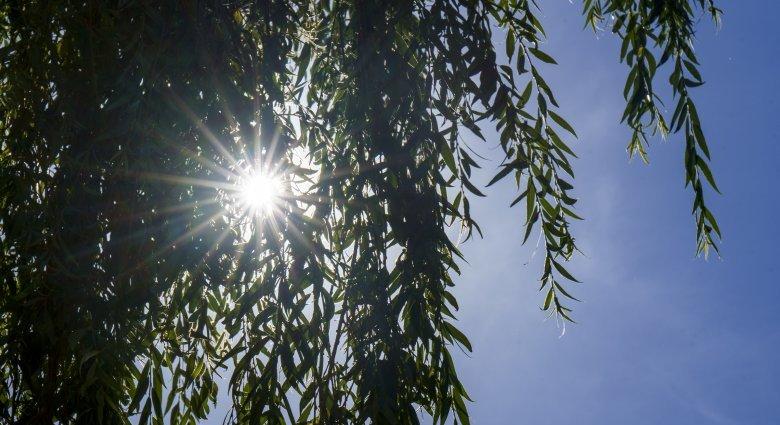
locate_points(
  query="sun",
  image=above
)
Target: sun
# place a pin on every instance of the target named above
(260, 193)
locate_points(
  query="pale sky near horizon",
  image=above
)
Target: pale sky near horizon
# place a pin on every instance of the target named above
(663, 337)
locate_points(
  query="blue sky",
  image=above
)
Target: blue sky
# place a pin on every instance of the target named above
(663, 337)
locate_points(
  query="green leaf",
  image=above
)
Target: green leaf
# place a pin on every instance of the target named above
(562, 122)
(548, 299)
(564, 272)
(526, 94)
(471, 187)
(449, 159)
(544, 57)
(458, 335)
(705, 169)
(501, 174)
(141, 387)
(145, 413)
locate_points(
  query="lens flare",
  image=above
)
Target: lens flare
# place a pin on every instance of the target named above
(260, 193)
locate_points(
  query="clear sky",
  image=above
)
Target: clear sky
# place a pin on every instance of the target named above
(663, 337)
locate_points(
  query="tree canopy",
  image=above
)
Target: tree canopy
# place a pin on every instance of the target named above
(137, 270)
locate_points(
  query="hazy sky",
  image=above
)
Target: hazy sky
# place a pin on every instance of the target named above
(663, 337)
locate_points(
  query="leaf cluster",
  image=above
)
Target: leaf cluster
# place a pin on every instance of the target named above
(131, 291)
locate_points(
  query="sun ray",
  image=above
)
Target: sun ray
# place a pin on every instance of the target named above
(172, 245)
(188, 180)
(204, 129)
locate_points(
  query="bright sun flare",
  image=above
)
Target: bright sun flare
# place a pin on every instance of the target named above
(260, 193)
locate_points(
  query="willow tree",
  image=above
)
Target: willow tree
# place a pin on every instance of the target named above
(260, 197)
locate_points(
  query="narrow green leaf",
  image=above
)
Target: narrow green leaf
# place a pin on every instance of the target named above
(544, 57)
